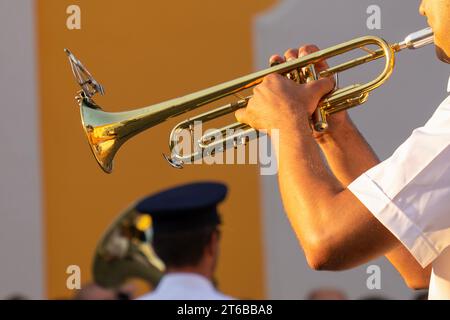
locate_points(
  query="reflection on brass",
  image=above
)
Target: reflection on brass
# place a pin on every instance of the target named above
(125, 252)
(106, 131)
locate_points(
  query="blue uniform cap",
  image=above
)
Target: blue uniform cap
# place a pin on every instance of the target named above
(184, 207)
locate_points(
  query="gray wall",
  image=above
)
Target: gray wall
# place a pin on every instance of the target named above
(415, 90)
(20, 189)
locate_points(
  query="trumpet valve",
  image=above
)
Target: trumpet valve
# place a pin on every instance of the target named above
(319, 120)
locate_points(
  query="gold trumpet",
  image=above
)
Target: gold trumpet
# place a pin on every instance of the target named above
(106, 132)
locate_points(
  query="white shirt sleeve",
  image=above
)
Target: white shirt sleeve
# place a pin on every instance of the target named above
(409, 193)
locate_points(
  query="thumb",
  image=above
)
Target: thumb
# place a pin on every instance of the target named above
(241, 115)
(320, 87)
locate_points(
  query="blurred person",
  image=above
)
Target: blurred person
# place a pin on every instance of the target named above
(373, 297)
(16, 297)
(347, 208)
(326, 294)
(186, 237)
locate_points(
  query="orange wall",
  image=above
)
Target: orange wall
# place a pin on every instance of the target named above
(142, 52)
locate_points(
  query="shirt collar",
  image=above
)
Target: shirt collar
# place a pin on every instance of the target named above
(185, 279)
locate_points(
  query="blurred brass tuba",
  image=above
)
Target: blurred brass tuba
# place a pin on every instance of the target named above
(125, 252)
(106, 131)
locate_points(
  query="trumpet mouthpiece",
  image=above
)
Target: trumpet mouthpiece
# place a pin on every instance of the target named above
(418, 39)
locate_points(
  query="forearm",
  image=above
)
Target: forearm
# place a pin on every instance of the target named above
(347, 152)
(349, 155)
(302, 170)
(331, 225)
(413, 274)
(335, 229)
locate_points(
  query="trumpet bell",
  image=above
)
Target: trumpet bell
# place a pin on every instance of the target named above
(125, 252)
(101, 137)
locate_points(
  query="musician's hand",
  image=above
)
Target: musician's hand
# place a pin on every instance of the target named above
(336, 120)
(280, 103)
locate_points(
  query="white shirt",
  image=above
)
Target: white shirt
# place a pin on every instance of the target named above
(410, 194)
(184, 286)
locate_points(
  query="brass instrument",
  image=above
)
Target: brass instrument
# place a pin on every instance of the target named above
(106, 132)
(125, 252)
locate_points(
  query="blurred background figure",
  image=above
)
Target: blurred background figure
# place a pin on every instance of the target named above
(186, 238)
(374, 297)
(16, 297)
(93, 291)
(326, 294)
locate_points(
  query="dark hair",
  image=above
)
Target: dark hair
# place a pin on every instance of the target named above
(182, 248)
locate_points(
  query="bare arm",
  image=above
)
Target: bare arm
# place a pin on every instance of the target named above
(340, 146)
(334, 228)
(348, 156)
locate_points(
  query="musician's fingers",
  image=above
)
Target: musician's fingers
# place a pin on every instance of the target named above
(291, 54)
(320, 66)
(311, 48)
(241, 115)
(276, 59)
(321, 87)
